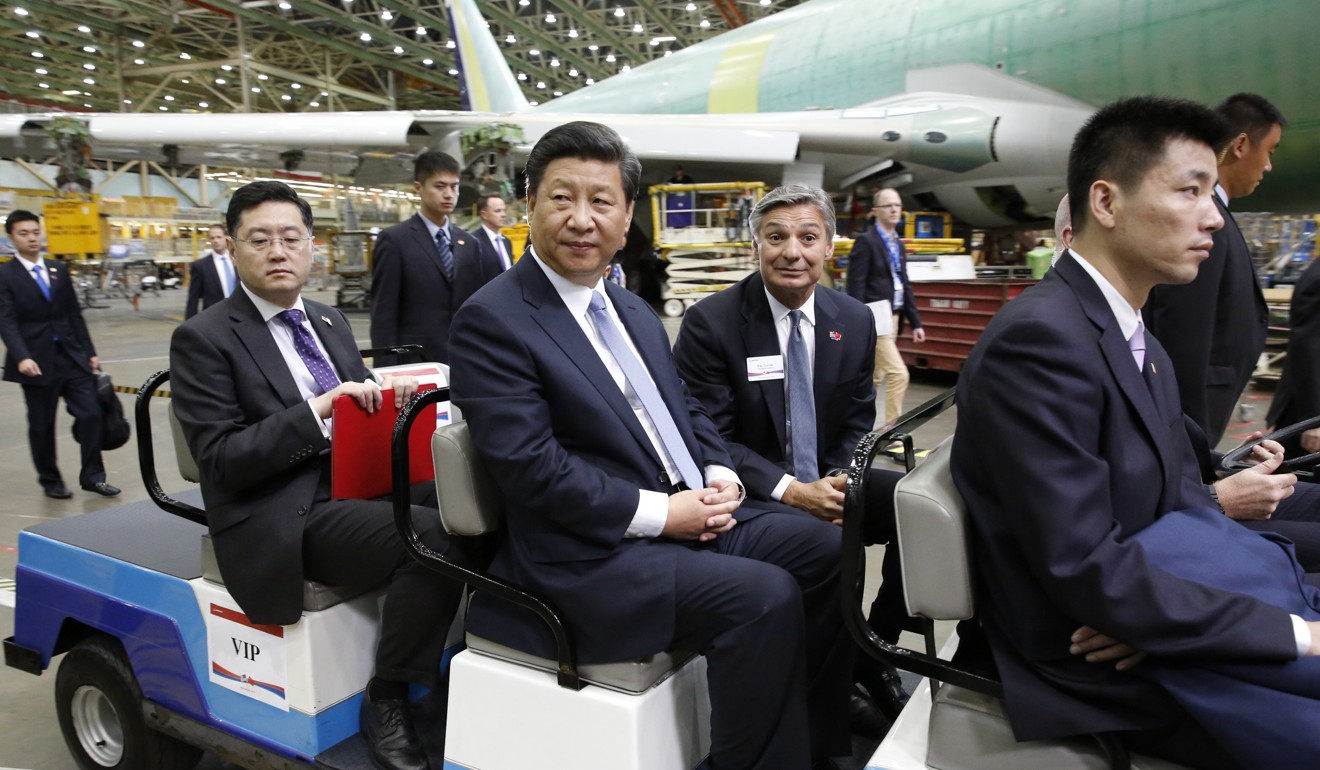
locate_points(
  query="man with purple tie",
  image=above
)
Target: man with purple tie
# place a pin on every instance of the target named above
(49, 352)
(253, 384)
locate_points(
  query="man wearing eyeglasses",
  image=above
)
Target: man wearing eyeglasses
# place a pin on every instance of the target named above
(423, 268)
(253, 382)
(877, 272)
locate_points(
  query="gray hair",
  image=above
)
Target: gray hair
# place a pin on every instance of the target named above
(794, 195)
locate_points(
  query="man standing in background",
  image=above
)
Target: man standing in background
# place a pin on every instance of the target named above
(49, 352)
(496, 249)
(211, 278)
(1214, 327)
(877, 271)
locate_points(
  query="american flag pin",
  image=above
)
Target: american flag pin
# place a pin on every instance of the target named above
(836, 336)
(327, 321)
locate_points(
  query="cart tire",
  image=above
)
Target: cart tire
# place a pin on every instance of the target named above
(99, 705)
(674, 308)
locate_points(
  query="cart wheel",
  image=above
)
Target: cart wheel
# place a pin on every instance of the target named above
(99, 705)
(674, 308)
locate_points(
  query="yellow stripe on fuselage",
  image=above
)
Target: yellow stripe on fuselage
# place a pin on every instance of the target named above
(739, 65)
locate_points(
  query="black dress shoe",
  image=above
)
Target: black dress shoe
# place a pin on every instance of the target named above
(390, 736)
(59, 493)
(864, 718)
(101, 488)
(887, 691)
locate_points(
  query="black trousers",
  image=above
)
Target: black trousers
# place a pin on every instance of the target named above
(761, 603)
(77, 387)
(353, 543)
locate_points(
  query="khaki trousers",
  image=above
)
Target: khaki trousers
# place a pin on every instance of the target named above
(890, 373)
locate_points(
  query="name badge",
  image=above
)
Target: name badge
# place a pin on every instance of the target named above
(765, 368)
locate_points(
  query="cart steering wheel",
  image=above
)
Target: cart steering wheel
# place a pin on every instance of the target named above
(1236, 459)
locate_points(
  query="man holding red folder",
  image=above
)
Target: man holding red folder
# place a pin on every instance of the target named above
(254, 379)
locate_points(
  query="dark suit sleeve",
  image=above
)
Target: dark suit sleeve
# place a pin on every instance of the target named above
(75, 319)
(10, 331)
(387, 277)
(232, 452)
(700, 354)
(1182, 318)
(1303, 362)
(497, 383)
(475, 264)
(1062, 520)
(860, 264)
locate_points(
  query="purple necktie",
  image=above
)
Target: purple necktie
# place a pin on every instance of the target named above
(446, 253)
(1137, 344)
(322, 372)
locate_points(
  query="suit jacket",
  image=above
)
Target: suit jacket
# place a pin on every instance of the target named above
(488, 253)
(258, 445)
(35, 328)
(570, 457)
(1213, 328)
(1063, 452)
(412, 300)
(204, 285)
(1298, 394)
(721, 332)
(871, 278)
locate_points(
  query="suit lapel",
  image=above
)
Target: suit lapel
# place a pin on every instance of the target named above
(343, 352)
(427, 245)
(256, 338)
(761, 339)
(552, 315)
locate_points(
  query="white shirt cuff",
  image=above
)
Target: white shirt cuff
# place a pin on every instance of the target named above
(777, 494)
(714, 472)
(651, 515)
(1302, 634)
(324, 425)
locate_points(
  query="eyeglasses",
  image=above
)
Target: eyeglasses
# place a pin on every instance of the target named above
(263, 245)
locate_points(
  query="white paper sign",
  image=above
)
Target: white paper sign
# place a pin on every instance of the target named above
(761, 368)
(247, 658)
(884, 317)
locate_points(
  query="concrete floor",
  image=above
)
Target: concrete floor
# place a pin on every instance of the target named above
(133, 344)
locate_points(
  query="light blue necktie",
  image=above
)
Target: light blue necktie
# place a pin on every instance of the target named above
(231, 277)
(1137, 344)
(801, 405)
(646, 392)
(41, 281)
(446, 253)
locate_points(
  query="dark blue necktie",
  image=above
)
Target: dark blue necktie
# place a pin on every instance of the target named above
(446, 253)
(801, 404)
(646, 393)
(41, 281)
(322, 372)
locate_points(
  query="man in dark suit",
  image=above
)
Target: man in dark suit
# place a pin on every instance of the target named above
(731, 353)
(621, 505)
(253, 384)
(496, 248)
(49, 352)
(877, 271)
(424, 268)
(212, 277)
(1225, 299)
(1071, 443)
(1298, 394)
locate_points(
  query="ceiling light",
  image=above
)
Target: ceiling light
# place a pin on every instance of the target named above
(449, 44)
(453, 71)
(295, 86)
(609, 57)
(549, 18)
(163, 108)
(325, 93)
(428, 62)
(313, 104)
(573, 72)
(637, 28)
(625, 68)
(32, 33)
(522, 75)
(88, 106)
(421, 31)
(655, 41)
(593, 47)
(203, 105)
(72, 92)
(618, 13)
(285, 97)
(139, 44)
(284, 6)
(591, 81)
(184, 55)
(524, 3)
(669, 53)
(139, 62)
(185, 81)
(765, 2)
(690, 7)
(23, 11)
(220, 81)
(510, 39)
(43, 85)
(534, 52)
(89, 81)
(533, 102)
(128, 101)
(559, 93)
(226, 68)
(398, 49)
(540, 84)
(263, 76)
(83, 28)
(365, 37)
(89, 66)
(703, 23)
(554, 62)
(169, 98)
(386, 16)
(572, 33)
(89, 48)
(41, 71)
(256, 90)
(38, 54)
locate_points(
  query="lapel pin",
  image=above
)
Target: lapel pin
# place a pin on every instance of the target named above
(460, 242)
(327, 321)
(1153, 370)
(836, 336)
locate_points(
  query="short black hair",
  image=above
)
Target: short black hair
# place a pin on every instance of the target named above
(585, 141)
(1125, 139)
(19, 215)
(253, 194)
(483, 202)
(432, 162)
(1250, 114)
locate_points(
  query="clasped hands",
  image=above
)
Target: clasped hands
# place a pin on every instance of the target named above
(702, 514)
(367, 394)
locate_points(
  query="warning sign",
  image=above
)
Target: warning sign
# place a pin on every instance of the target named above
(247, 658)
(72, 227)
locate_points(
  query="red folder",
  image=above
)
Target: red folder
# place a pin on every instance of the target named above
(360, 447)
